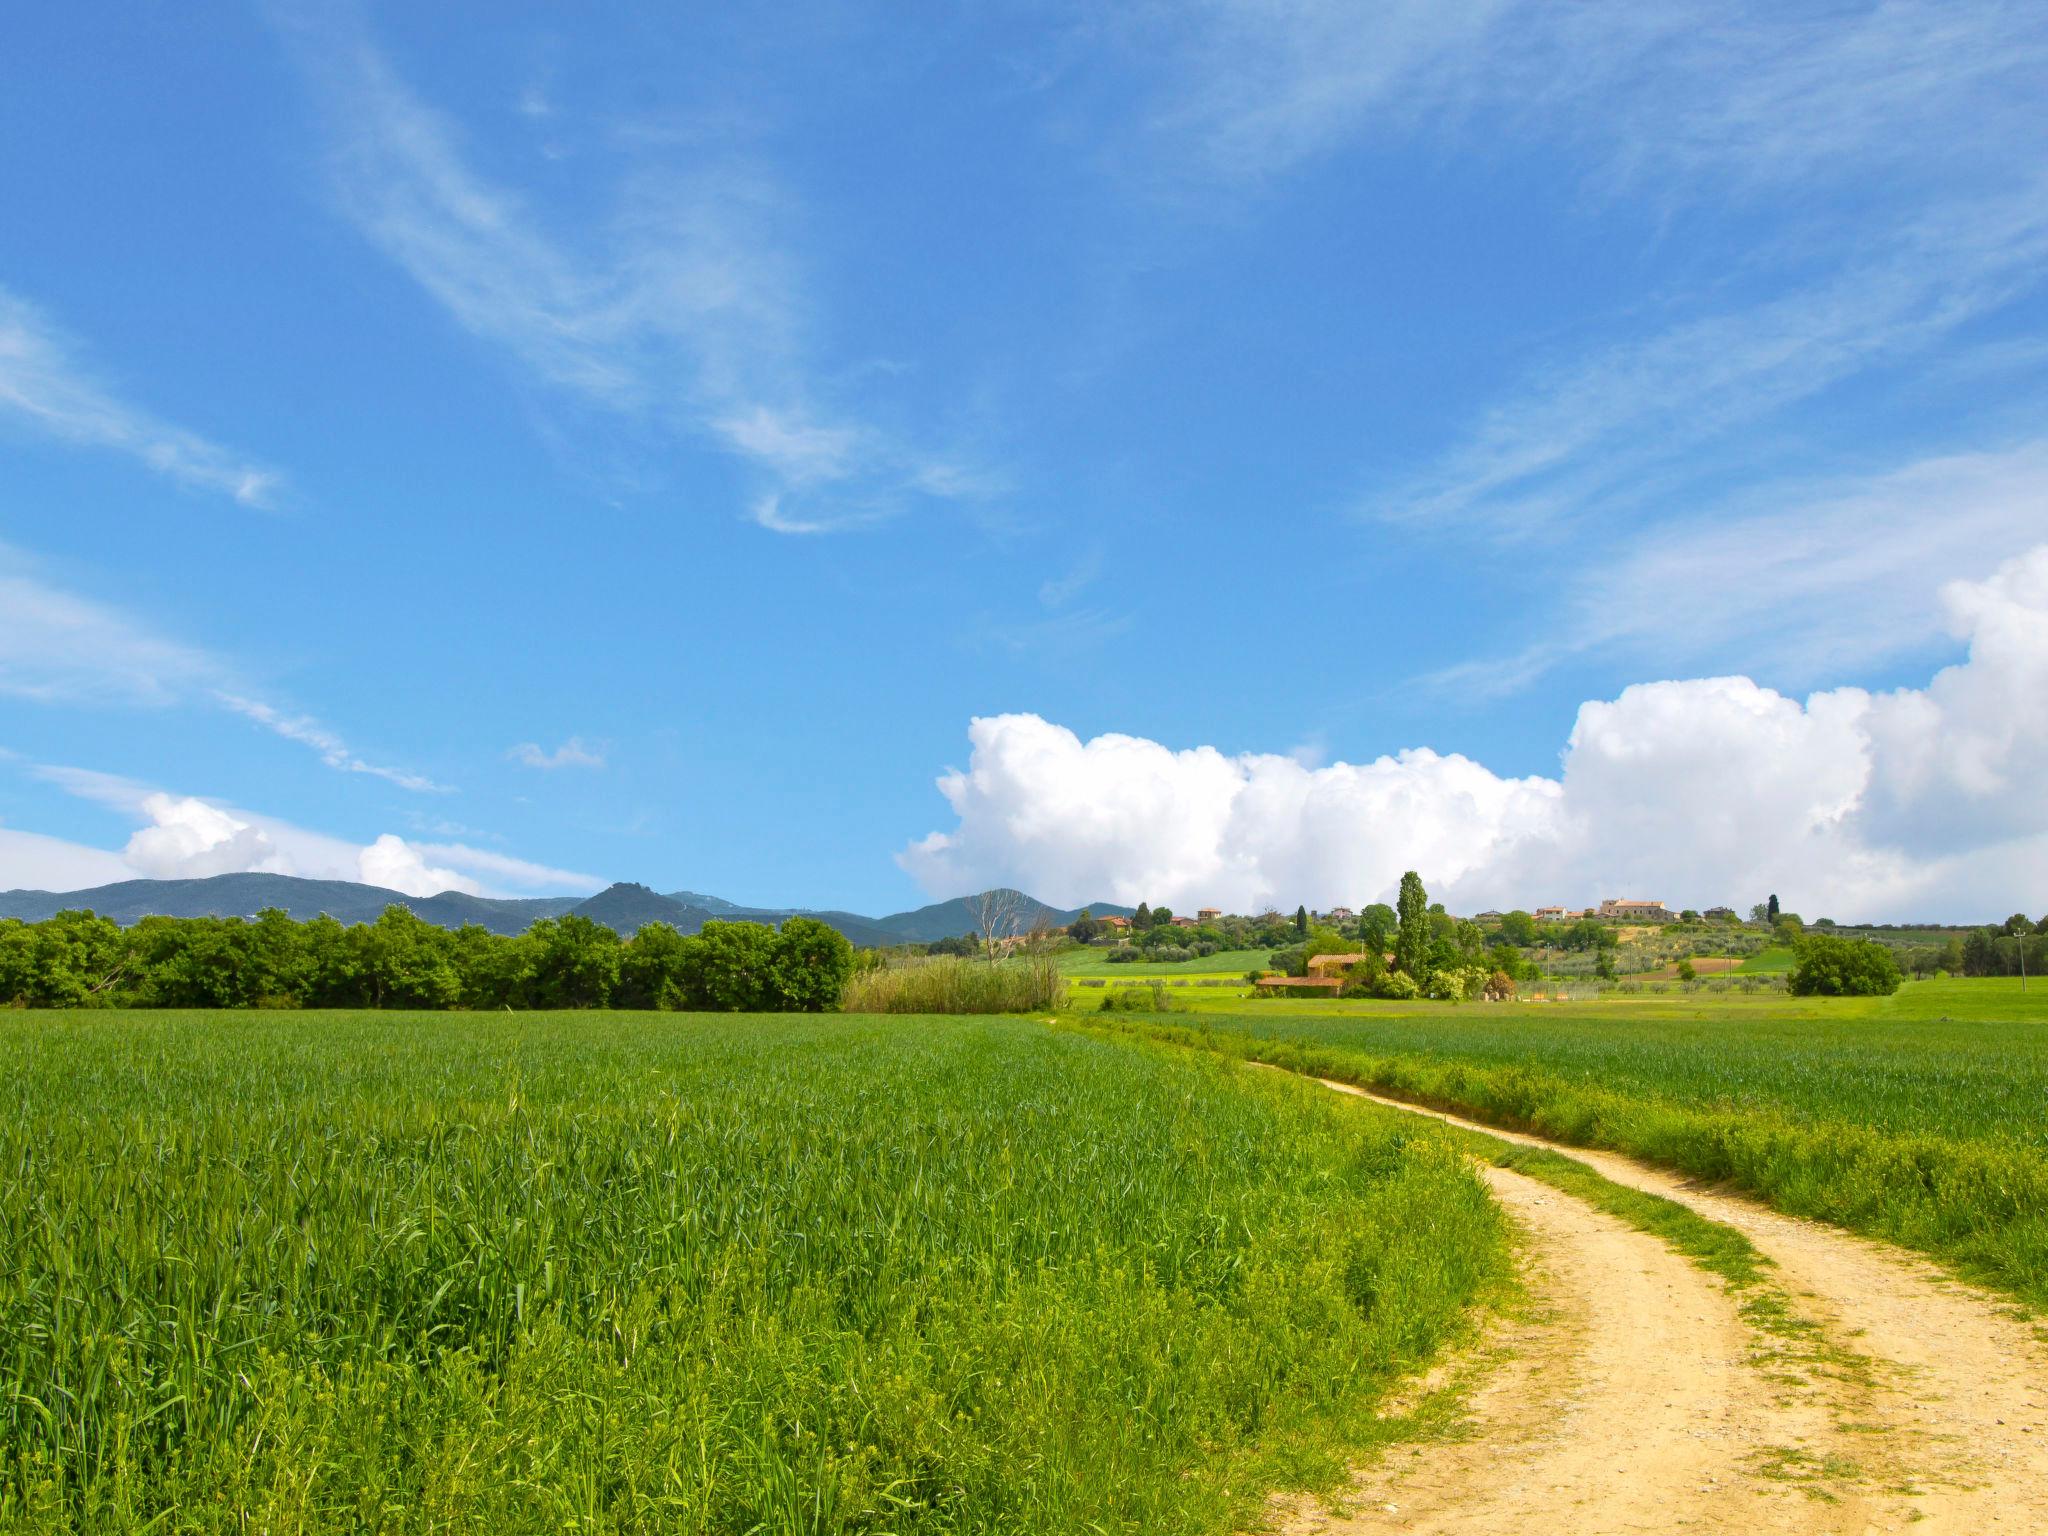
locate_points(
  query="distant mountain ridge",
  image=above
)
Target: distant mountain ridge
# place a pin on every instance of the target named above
(625, 907)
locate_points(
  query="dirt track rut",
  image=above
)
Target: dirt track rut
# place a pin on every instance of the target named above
(1638, 1400)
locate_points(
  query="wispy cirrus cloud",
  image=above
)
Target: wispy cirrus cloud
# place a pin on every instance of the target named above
(46, 385)
(1805, 581)
(683, 311)
(1590, 432)
(573, 753)
(1702, 97)
(334, 752)
(57, 647)
(1872, 174)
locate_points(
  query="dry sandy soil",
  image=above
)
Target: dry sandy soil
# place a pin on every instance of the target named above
(1637, 1395)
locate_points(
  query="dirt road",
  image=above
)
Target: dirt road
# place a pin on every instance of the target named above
(1639, 1400)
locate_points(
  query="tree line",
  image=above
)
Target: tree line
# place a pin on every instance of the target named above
(82, 960)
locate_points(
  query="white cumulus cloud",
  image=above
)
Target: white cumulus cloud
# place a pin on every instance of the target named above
(1920, 802)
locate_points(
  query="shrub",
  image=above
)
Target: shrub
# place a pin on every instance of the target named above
(1399, 986)
(1833, 967)
(1147, 999)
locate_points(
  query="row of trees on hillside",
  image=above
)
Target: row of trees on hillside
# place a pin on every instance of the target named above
(80, 960)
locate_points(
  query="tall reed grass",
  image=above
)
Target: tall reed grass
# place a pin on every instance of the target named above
(952, 984)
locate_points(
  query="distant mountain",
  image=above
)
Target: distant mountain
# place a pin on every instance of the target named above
(625, 907)
(717, 906)
(129, 901)
(950, 919)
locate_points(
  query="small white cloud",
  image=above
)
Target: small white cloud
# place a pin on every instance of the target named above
(189, 839)
(570, 754)
(394, 863)
(43, 383)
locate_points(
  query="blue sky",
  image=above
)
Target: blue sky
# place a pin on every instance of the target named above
(610, 443)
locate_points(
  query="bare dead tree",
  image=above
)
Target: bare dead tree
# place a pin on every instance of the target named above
(998, 919)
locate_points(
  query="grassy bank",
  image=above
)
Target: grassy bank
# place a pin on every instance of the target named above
(1916, 1118)
(659, 1272)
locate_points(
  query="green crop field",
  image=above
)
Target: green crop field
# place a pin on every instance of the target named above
(1768, 962)
(1921, 1117)
(1228, 962)
(610, 1272)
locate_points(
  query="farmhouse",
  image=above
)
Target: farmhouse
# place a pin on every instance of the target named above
(1118, 923)
(1326, 974)
(1208, 914)
(1639, 911)
(1330, 984)
(1720, 914)
(1557, 914)
(1340, 914)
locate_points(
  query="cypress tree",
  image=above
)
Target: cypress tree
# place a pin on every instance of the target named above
(1301, 921)
(1411, 940)
(1142, 918)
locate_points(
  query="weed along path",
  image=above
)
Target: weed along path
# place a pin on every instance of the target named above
(1640, 1399)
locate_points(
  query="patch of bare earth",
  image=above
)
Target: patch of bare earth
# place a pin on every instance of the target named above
(1639, 1399)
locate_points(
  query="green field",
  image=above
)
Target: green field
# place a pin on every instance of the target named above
(1921, 1117)
(612, 1272)
(1228, 962)
(1768, 962)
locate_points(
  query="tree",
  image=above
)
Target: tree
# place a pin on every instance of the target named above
(1518, 928)
(652, 971)
(403, 961)
(1162, 917)
(998, 918)
(727, 967)
(2017, 925)
(809, 966)
(1301, 921)
(1084, 927)
(1771, 908)
(1141, 919)
(1830, 966)
(1786, 928)
(575, 962)
(1376, 928)
(1603, 965)
(1412, 935)
(1760, 914)
(1686, 972)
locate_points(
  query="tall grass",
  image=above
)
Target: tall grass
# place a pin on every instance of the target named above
(659, 1273)
(951, 984)
(1916, 1118)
